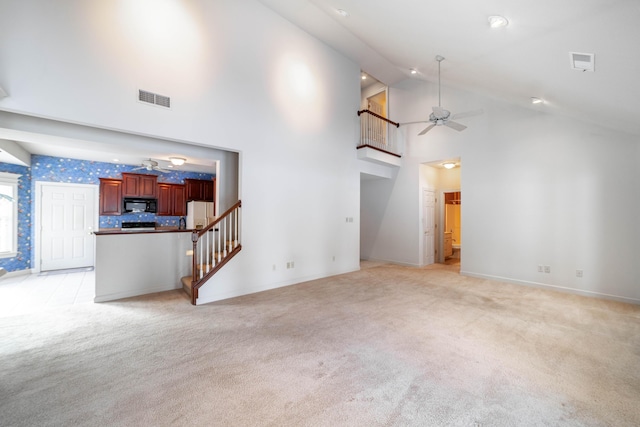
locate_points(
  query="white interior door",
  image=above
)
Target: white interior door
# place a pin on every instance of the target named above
(428, 218)
(67, 218)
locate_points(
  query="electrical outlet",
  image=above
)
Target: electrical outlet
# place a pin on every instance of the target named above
(578, 273)
(547, 269)
(540, 269)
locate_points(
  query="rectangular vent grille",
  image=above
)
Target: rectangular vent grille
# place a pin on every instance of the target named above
(582, 61)
(154, 98)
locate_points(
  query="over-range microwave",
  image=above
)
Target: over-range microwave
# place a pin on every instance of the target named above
(139, 205)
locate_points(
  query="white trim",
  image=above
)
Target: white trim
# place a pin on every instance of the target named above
(551, 287)
(442, 220)
(9, 178)
(37, 221)
(18, 273)
(135, 293)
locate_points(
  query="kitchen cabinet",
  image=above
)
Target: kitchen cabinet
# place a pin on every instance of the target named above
(171, 200)
(139, 185)
(110, 196)
(200, 189)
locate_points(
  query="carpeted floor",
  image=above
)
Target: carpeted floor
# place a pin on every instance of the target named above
(388, 346)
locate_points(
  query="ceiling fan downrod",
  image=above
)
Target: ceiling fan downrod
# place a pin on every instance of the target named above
(439, 58)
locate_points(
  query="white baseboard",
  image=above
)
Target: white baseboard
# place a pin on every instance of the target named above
(18, 273)
(552, 287)
(404, 264)
(255, 289)
(135, 293)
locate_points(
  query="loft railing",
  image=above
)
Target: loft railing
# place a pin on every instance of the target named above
(378, 132)
(214, 246)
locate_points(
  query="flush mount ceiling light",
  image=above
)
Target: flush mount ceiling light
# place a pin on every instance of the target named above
(449, 165)
(342, 13)
(497, 21)
(178, 161)
(535, 100)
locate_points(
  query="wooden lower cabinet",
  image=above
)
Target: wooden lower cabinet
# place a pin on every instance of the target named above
(110, 196)
(171, 200)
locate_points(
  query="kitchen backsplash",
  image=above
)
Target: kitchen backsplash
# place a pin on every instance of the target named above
(58, 169)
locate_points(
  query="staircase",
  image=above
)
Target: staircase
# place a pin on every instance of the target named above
(213, 247)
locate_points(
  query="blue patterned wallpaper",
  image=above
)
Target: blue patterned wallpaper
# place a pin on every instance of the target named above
(58, 169)
(23, 259)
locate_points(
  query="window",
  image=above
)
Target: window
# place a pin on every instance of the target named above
(8, 214)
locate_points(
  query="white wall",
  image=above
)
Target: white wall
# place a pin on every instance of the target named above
(240, 78)
(128, 265)
(538, 189)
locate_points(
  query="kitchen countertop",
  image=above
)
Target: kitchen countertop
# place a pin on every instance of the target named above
(161, 229)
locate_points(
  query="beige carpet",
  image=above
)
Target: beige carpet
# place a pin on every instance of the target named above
(388, 345)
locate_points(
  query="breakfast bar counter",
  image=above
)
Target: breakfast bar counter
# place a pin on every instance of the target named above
(131, 263)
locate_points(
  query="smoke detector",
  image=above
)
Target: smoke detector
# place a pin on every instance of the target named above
(582, 61)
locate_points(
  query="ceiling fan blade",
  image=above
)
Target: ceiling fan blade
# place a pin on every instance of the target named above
(138, 168)
(412, 123)
(467, 114)
(427, 129)
(455, 125)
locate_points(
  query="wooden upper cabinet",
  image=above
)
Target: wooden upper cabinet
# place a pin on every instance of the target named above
(179, 194)
(110, 196)
(171, 200)
(139, 185)
(200, 189)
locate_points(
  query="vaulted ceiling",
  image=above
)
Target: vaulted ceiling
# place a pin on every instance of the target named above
(528, 58)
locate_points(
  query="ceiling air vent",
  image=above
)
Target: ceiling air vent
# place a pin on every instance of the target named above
(154, 98)
(582, 61)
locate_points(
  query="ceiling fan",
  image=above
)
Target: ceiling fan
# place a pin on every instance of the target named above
(442, 117)
(151, 165)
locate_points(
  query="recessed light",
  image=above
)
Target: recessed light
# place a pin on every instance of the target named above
(449, 165)
(535, 100)
(497, 21)
(342, 13)
(116, 160)
(413, 71)
(364, 76)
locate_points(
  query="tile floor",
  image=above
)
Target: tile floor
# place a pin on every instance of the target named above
(31, 293)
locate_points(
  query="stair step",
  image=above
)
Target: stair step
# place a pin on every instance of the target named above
(187, 284)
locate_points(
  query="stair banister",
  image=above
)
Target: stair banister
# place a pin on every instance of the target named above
(213, 255)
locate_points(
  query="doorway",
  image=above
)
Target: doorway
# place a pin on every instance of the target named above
(452, 227)
(428, 225)
(66, 215)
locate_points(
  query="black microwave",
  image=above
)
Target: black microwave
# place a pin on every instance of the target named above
(140, 205)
